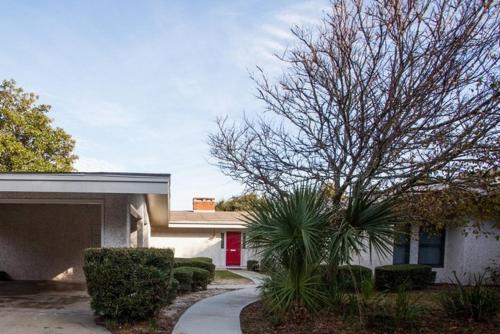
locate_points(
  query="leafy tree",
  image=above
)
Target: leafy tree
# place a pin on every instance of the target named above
(385, 95)
(239, 203)
(28, 140)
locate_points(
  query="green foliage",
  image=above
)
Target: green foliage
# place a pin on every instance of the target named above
(343, 276)
(28, 140)
(128, 284)
(290, 232)
(188, 262)
(184, 275)
(172, 290)
(203, 259)
(200, 258)
(285, 290)
(297, 231)
(253, 265)
(477, 302)
(201, 278)
(239, 203)
(401, 313)
(412, 276)
(366, 225)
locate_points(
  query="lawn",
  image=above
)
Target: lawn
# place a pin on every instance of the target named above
(227, 277)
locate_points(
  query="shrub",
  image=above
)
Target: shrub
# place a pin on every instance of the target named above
(342, 276)
(127, 284)
(182, 262)
(172, 290)
(201, 278)
(199, 258)
(184, 275)
(402, 312)
(412, 276)
(253, 265)
(477, 302)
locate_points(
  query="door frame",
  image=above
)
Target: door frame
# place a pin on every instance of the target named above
(226, 248)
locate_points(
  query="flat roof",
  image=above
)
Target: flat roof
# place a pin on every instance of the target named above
(82, 182)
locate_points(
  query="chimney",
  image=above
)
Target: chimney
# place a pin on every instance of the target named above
(204, 204)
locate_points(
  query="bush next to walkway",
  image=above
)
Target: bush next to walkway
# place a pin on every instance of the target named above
(201, 278)
(172, 291)
(412, 276)
(187, 262)
(128, 284)
(184, 275)
(253, 265)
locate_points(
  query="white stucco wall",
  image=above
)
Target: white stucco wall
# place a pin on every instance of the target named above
(44, 237)
(465, 253)
(195, 242)
(46, 241)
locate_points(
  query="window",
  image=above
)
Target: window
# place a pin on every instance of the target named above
(243, 240)
(431, 248)
(401, 254)
(222, 240)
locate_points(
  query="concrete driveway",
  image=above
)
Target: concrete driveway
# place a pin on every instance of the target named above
(45, 308)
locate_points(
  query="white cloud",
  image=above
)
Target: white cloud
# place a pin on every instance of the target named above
(88, 164)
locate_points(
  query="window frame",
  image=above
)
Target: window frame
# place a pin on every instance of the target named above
(406, 245)
(441, 247)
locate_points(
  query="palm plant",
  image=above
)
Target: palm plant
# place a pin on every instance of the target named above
(290, 233)
(367, 225)
(296, 232)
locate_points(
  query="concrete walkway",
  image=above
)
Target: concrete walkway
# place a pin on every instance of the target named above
(219, 314)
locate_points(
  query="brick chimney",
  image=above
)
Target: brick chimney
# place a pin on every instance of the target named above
(204, 204)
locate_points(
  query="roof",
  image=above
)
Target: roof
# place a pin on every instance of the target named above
(204, 219)
(197, 216)
(78, 182)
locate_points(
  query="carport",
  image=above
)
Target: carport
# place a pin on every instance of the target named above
(48, 219)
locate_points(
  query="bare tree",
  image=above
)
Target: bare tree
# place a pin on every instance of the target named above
(383, 95)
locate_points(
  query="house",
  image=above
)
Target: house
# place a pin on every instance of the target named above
(48, 219)
(456, 249)
(205, 232)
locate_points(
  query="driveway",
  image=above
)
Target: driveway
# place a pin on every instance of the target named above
(45, 308)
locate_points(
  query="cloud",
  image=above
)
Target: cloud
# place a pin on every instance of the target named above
(88, 164)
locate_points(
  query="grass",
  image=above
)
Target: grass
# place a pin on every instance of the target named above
(225, 275)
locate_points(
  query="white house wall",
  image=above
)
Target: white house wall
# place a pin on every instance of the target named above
(465, 253)
(194, 243)
(49, 242)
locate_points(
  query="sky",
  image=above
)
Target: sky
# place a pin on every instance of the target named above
(139, 84)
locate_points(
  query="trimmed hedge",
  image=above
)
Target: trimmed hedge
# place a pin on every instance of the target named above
(343, 277)
(201, 278)
(210, 267)
(199, 258)
(412, 276)
(253, 265)
(184, 275)
(128, 284)
(172, 290)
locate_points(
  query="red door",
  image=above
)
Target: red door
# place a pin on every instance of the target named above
(233, 249)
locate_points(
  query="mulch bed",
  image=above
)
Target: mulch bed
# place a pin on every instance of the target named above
(254, 320)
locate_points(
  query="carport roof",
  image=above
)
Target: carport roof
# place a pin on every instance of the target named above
(78, 182)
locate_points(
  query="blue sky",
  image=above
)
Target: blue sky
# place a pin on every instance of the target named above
(140, 83)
